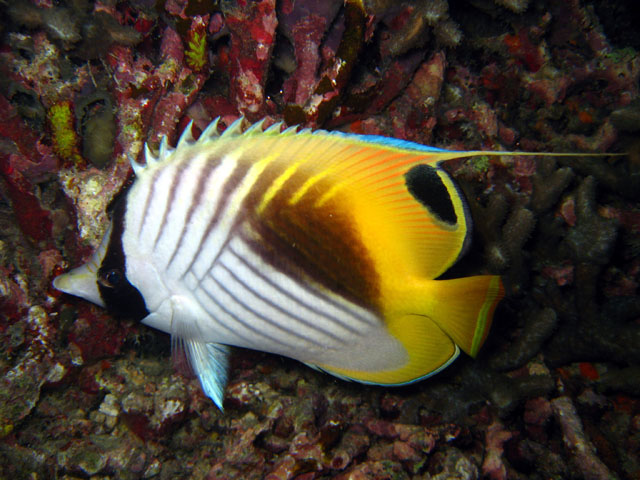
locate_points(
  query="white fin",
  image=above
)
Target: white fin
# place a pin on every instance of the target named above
(274, 129)
(83, 280)
(254, 129)
(211, 131)
(210, 362)
(187, 136)
(137, 167)
(234, 129)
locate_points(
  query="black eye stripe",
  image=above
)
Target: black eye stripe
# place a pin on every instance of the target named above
(114, 277)
(119, 296)
(110, 278)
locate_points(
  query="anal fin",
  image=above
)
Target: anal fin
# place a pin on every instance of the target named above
(429, 350)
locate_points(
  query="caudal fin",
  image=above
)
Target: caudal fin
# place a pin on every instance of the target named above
(464, 307)
(435, 320)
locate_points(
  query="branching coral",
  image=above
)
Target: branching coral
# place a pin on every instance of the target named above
(539, 324)
(411, 23)
(250, 51)
(330, 85)
(582, 451)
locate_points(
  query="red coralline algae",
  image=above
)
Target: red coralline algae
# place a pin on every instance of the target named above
(493, 465)
(414, 110)
(251, 46)
(372, 96)
(424, 90)
(96, 335)
(537, 411)
(12, 127)
(576, 442)
(171, 47)
(34, 220)
(306, 35)
(523, 49)
(151, 97)
(589, 371)
(306, 26)
(334, 77)
(563, 275)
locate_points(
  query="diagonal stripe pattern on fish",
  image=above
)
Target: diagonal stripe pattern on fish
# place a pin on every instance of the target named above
(319, 246)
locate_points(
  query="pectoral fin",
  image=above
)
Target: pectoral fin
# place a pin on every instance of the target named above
(210, 362)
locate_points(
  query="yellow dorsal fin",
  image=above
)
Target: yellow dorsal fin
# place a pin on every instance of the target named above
(407, 209)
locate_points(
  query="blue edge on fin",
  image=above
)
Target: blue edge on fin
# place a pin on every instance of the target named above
(390, 141)
(211, 367)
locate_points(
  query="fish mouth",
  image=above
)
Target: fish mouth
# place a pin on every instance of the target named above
(81, 282)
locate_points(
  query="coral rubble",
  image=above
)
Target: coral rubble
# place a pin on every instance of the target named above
(555, 391)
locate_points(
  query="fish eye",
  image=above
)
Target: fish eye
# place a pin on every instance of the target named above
(112, 278)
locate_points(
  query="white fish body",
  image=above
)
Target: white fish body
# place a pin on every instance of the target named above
(196, 250)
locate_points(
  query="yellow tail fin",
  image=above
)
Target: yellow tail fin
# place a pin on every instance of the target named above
(463, 308)
(433, 320)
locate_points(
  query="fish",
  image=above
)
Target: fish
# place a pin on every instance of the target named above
(325, 247)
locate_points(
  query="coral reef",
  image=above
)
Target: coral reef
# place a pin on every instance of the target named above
(582, 451)
(251, 43)
(555, 391)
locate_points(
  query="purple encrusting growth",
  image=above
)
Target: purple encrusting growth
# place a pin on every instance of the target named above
(556, 393)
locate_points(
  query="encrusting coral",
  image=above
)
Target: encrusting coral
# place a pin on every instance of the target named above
(63, 131)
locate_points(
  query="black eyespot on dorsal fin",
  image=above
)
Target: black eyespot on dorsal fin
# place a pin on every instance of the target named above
(427, 187)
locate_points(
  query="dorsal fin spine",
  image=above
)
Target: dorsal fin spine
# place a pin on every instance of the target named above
(187, 135)
(149, 157)
(165, 149)
(256, 128)
(211, 131)
(289, 131)
(137, 167)
(234, 129)
(274, 129)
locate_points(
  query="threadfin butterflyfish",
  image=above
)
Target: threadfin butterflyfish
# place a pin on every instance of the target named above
(321, 246)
